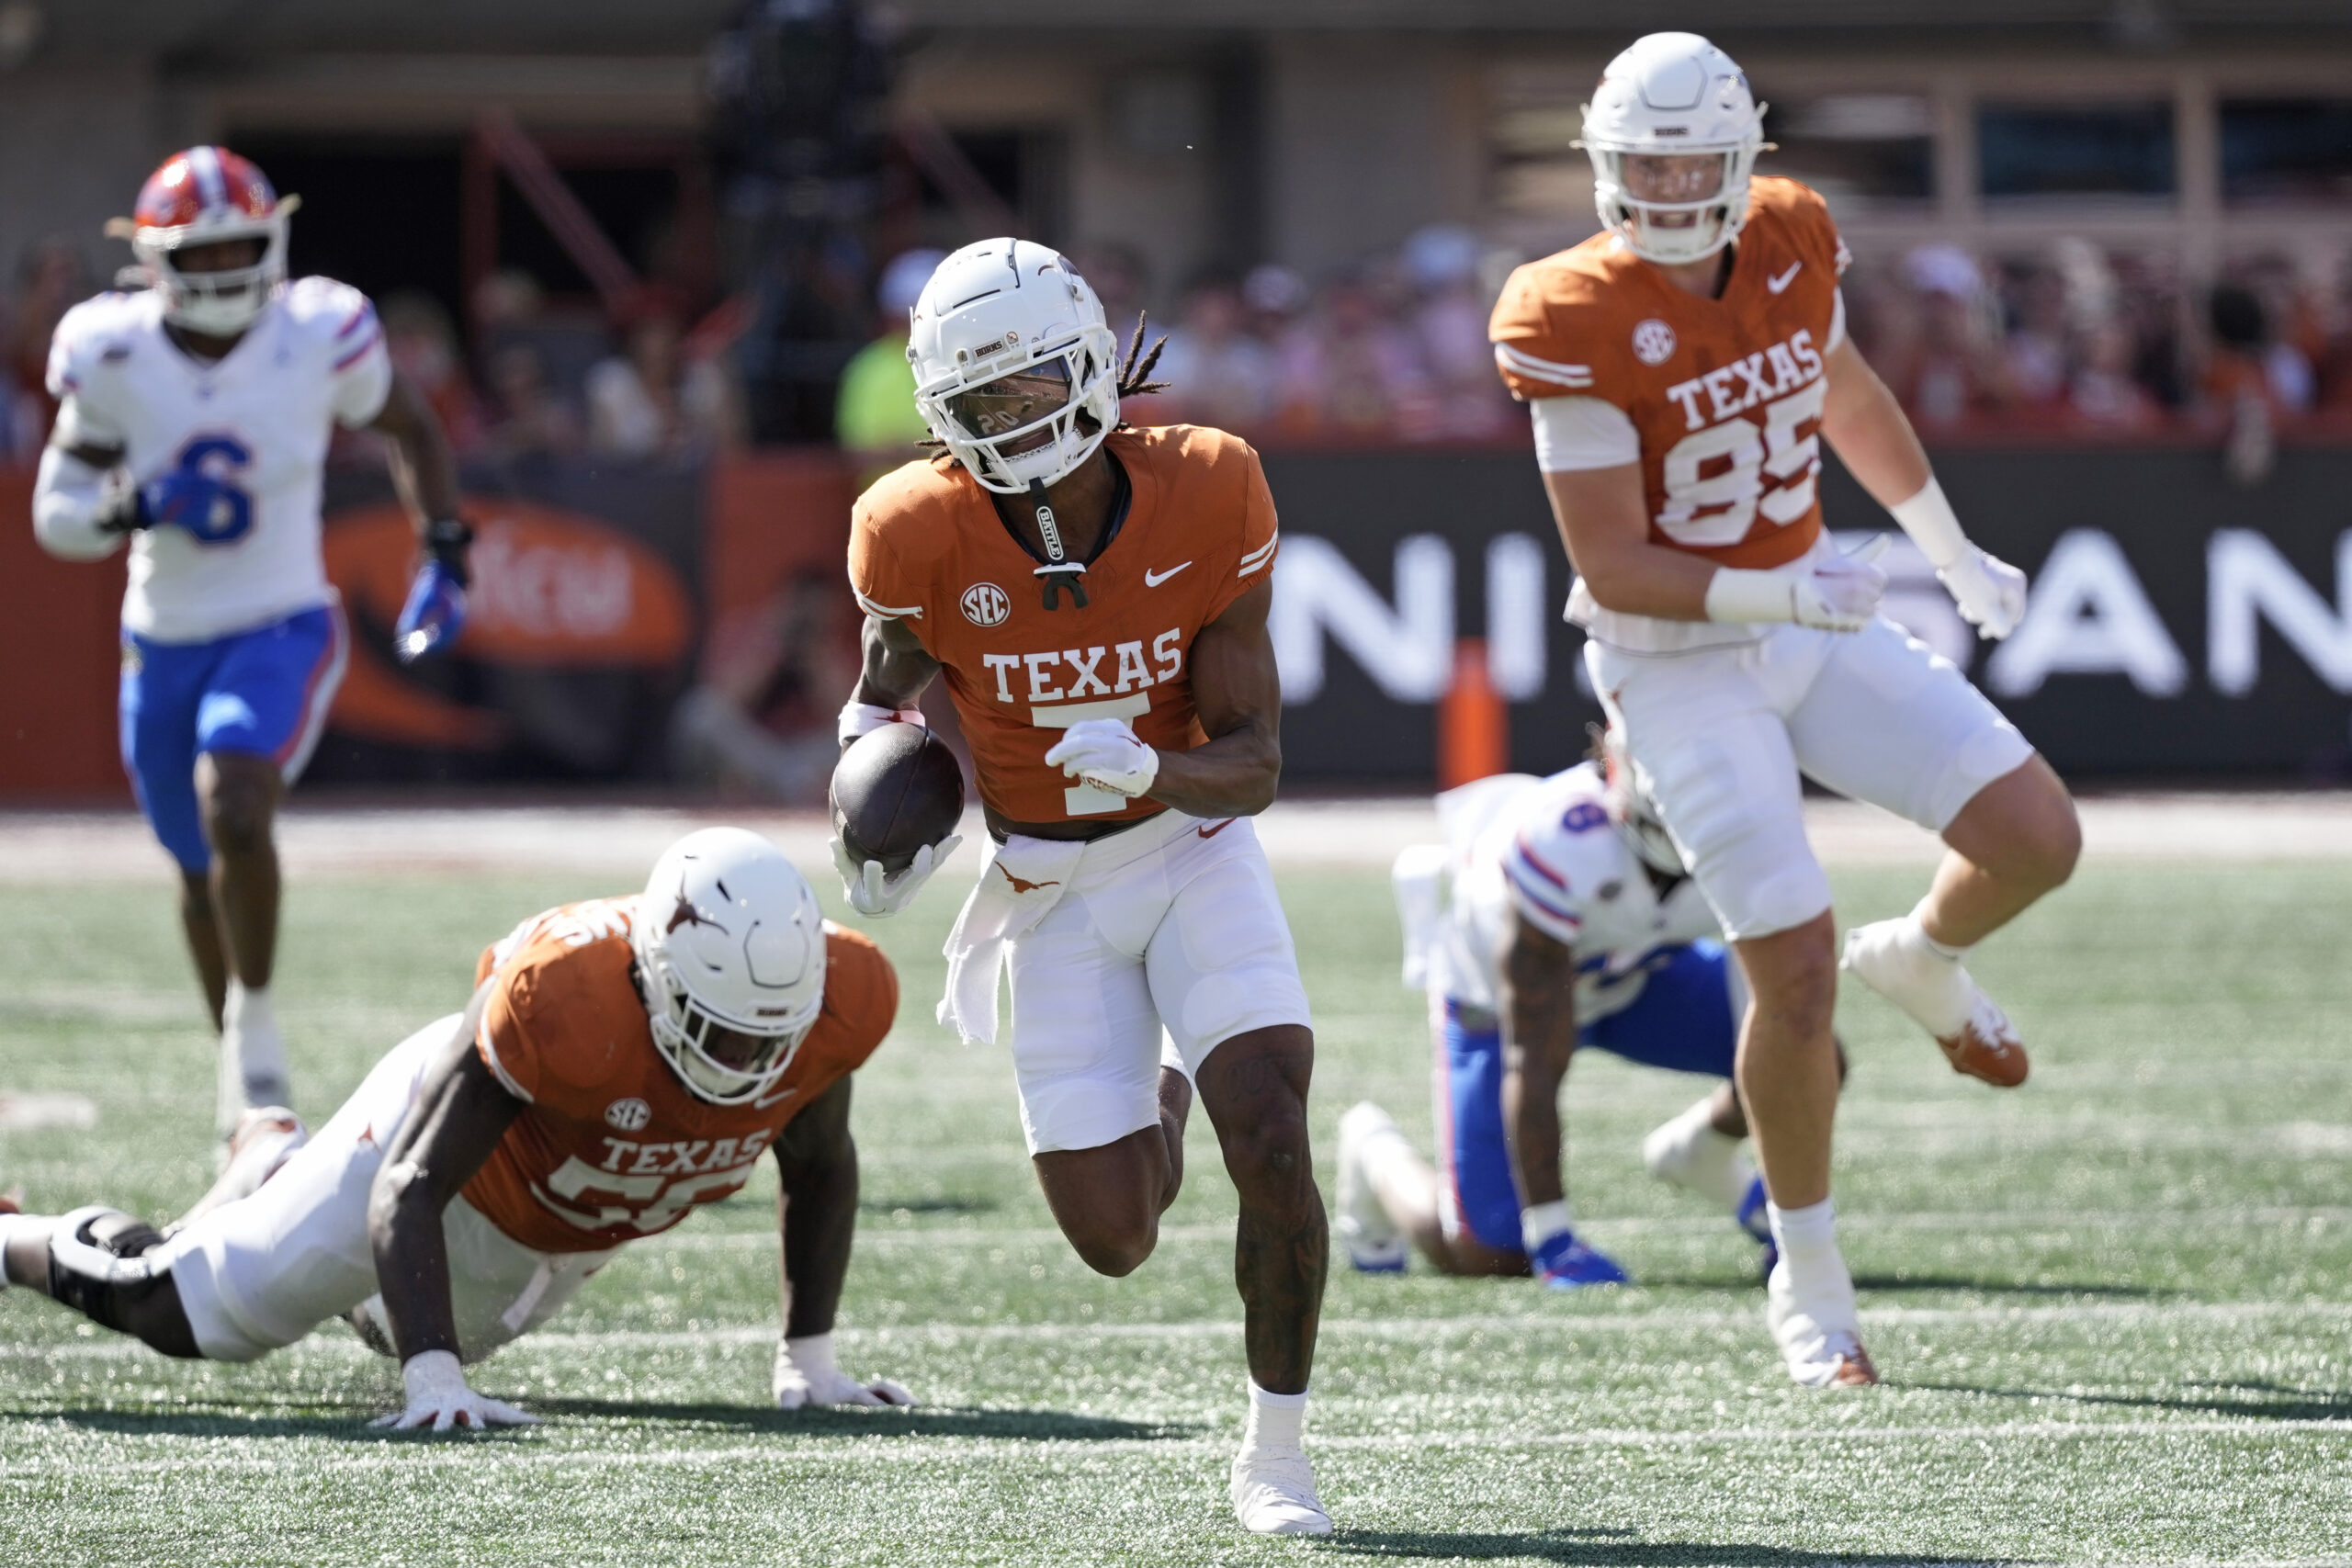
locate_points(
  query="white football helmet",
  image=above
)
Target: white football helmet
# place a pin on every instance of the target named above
(727, 934)
(1673, 94)
(201, 197)
(1016, 370)
(1632, 813)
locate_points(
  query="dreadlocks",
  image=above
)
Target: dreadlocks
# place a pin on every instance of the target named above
(1140, 364)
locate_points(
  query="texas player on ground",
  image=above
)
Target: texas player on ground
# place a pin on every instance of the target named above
(193, 421)
(1683, 366)
(622, 1061)
(1096, 596)
(1555, 916)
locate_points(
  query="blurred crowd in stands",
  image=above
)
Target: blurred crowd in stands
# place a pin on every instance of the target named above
(2072, 342)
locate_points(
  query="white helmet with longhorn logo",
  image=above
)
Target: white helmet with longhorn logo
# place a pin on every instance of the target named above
(729, 938)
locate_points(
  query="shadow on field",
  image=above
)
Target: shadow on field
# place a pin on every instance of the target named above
(2254, 1401)
(1604, 1547)
(923, 1421)
(245, 1419)
(1908, 1281)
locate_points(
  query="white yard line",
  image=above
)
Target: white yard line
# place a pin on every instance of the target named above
(885, 1447)
(322, 840)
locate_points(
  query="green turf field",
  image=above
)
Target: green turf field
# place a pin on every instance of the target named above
(2111, 1307)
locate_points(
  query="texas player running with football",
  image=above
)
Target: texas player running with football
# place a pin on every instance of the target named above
(1682, 367)
(622, 1061)
(1557, 917)
(193, 421)
(1096, 597)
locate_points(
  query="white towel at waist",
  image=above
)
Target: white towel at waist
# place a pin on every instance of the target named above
(1020, 880)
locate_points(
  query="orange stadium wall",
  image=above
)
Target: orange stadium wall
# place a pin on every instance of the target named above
(60, 655)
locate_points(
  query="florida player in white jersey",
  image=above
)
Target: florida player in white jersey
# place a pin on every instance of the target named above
(1557, 917)
(1683, 368)
(192, 422)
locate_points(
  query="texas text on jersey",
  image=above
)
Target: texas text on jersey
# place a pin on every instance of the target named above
(612, 1146)
(928, 548)
(1723, 395)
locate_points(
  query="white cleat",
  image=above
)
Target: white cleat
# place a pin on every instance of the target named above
(1820, 1341)
(1374, 1243)
(1974, 1035)
(1274, 1493)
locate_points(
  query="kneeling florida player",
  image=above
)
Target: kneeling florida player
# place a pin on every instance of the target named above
(1096, 596)
(1557, 915)
(621, 1061)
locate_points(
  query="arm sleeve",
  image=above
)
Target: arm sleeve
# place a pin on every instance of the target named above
(1836, 323)
(1582, 433)
(361, 371)
(1540, 893)
(1260, 538)
(505, 1038)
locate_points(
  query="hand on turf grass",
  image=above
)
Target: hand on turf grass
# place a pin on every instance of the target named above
(805, 1375)
(438, 1398)
(876, 893)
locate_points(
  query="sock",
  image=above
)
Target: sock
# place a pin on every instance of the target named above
(1688, 1152)
(1922, 977)
(1379, 1146)
(1539, 1222)
(1818, 1282)
(9, 1226)
(1276, 1420)
(252, 1054)
(1919, 928)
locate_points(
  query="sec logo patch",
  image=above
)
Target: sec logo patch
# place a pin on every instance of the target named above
(986, 604)
(1653, 341)
(628, 1115)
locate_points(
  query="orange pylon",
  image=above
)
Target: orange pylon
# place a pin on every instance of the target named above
(1473, 725)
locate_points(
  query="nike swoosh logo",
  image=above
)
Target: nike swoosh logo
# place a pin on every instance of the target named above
(1213, 832)
(776, 1098)
(1154, 578)
(1777, 284)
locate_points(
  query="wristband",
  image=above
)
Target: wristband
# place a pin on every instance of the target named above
(1929, 518)
(1736, 594)
(444, 539)
(432, 1375)
(1539, 1222)
(812, 1354)
(863, 718)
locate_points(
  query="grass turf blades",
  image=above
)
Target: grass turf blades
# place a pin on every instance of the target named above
(2111, 1306)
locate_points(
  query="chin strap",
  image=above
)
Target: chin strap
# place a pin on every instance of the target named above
(1057, 571)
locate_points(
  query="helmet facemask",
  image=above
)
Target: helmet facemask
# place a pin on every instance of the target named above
(1036, 419)
(219, 304)
(682, 1029)
(1690, 228)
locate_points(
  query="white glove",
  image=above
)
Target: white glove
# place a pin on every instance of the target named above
(1841, 595)
(804, 1374)
(1106, 752)
(1838, 594)
(873, 892)
(438, 1398)
(1988, 590)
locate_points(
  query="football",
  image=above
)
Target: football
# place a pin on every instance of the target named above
(895, 790)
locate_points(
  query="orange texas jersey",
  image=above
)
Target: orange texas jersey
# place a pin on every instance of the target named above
(611, 1146)
(928, 548)
(1725, 393)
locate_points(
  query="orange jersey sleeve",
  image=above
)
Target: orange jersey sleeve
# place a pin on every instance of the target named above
(928, 547)
(1725, 393)
(611, 1144)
